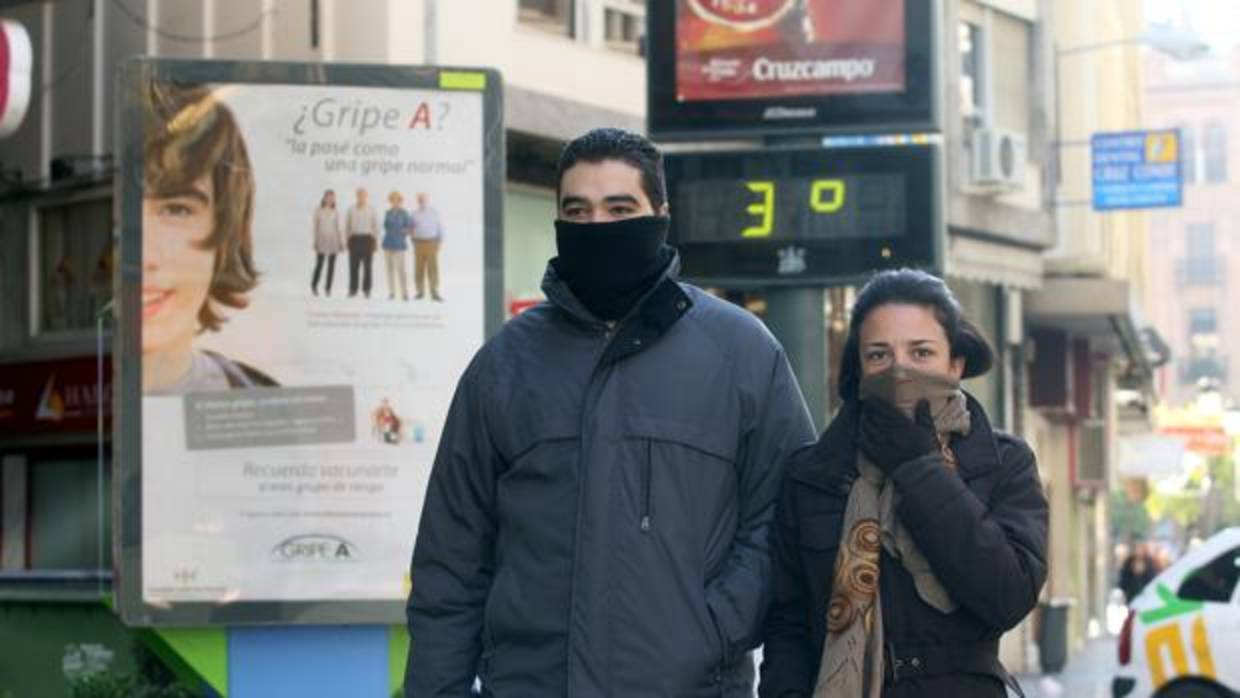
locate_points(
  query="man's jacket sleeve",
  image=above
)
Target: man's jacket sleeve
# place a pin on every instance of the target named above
(789, 666)
(453, 559)
(737, 597)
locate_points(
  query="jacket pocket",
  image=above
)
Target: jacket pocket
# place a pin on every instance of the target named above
(819, 543)
(821, 532)
(673, 513)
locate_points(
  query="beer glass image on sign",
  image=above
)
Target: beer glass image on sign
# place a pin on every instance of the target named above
(197, 263)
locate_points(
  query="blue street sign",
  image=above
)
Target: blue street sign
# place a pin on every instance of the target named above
(1136, 169)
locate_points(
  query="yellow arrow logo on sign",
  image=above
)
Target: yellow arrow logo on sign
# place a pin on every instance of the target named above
(1162, 147)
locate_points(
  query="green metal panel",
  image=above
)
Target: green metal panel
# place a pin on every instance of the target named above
(398, 655)
(44, 641)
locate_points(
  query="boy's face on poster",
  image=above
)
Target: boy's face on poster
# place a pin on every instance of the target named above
(176, 267)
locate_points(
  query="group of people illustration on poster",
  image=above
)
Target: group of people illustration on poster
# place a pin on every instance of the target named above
(360, 231)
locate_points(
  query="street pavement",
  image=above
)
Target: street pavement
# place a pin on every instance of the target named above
(1087, 674)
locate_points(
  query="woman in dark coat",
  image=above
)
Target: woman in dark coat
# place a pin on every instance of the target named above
(912, 535)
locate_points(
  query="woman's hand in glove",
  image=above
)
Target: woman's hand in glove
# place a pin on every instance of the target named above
(890, 439)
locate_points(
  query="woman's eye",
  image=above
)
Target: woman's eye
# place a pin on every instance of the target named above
(923, 353)
(875, 356)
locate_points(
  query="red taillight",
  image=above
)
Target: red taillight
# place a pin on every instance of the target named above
(1125, 640)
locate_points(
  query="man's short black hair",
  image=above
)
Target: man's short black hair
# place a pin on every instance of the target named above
(635, 149)
(913, 287)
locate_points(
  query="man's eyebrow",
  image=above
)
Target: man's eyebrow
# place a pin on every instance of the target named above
(573, 200)
(621, 199)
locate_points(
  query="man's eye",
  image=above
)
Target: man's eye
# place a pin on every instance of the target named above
(176, 210)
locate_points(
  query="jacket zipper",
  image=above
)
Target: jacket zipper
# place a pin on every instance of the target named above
(587, 410)
(646, 486)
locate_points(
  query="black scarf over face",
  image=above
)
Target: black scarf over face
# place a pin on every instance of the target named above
(609, 266)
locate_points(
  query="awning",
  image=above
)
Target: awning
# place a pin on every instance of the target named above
(992, 262)
(551, 117)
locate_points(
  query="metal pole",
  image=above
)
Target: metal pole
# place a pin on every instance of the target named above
(796, 318)
(430, 46)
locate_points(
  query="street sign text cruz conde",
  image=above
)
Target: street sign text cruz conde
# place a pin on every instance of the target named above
(1136, 169)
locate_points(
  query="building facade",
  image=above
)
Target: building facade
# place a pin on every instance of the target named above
(1089, 340)
(1195, 249)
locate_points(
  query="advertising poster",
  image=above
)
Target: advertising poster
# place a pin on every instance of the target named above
(310, 279)
(758, 49)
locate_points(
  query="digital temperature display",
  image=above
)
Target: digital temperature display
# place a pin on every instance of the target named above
(822, 208)
(806, 215)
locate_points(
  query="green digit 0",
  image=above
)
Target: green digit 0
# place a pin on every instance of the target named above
(764, 210)
(836, 200)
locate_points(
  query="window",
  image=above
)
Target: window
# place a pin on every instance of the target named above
(972, 72)
(624, 24)
(1200, 265)
(73, 258)
(1215, 153)
(1202, 321)
(1201, 240)
(1188, 154)
(1216, 581)
(70, 526)
(555, 16)
(1209, 367)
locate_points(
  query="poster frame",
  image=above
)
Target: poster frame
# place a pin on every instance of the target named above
(127, 339)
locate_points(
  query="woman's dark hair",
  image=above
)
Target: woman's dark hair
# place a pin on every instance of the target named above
(912, 287)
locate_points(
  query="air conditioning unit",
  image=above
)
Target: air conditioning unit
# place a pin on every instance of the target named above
(999, 159)
(1060, 379)
(1089, 468)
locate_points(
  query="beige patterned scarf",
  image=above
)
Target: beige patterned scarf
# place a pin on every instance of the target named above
(852, 658)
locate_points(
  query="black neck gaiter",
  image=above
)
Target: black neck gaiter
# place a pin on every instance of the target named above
(609, 266)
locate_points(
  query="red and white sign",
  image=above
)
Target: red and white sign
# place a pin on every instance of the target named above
(54, 396)
(1204, 440)
(753, 49)
(16, 68)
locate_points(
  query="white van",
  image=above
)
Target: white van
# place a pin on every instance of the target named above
(1182, 635)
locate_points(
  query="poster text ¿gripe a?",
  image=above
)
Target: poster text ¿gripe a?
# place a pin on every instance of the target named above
(342, 136)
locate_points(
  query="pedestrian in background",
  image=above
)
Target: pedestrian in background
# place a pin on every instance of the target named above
(1137, 572)
(912, 535)
(598, 516)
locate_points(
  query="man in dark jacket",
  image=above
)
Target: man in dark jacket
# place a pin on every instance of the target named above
(597, 519)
